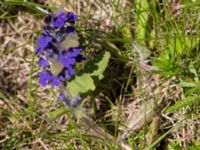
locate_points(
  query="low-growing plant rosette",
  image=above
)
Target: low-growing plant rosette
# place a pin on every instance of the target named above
(60, 51)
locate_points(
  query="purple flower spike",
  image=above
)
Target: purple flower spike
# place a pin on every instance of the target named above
(59, 62)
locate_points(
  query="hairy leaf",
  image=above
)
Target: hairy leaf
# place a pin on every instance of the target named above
(85, 81)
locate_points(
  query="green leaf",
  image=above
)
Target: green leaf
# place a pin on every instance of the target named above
(192, 69)
(81, 84)
(187, 84)
(189, 4)
(97, 66)
(85, 81)
(141, 18)
(56, 113)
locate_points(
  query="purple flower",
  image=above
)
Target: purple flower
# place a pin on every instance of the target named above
(64, 99)
(76, 102)
(42, 43)
(74, 52)
(66, 61)
(80, 58)
(69, 100)
(79, 98)
(69, 58)
(47, 77)
(72, 17)
(67, 75)
(61, 97)
(55, 81)
(59, 21)
(69, 72)
(70, 29)
(43, 63)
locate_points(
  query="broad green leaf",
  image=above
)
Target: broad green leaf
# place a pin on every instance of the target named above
(101, 66)
(97, 66)
(85, 81)
(81, 84)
